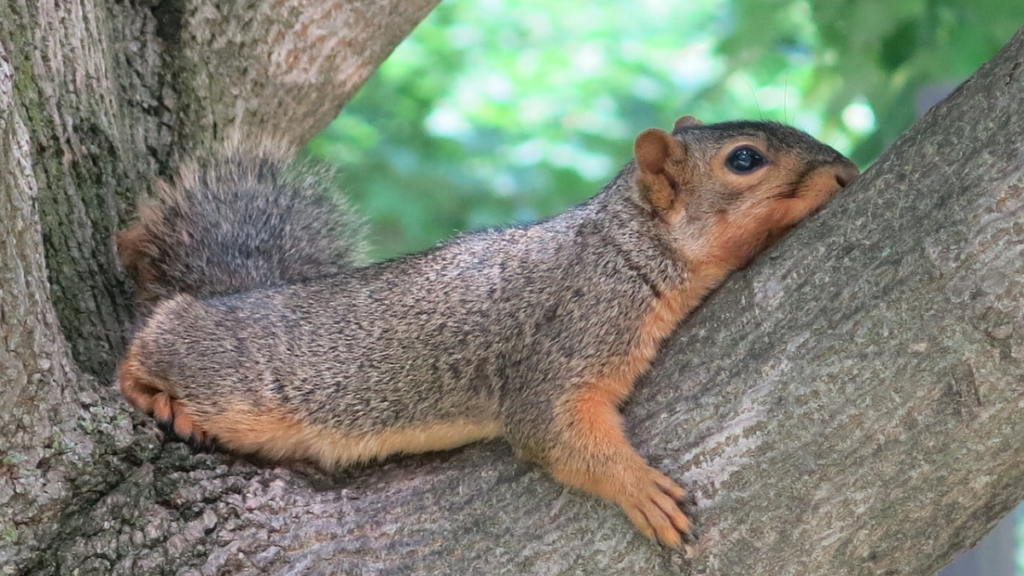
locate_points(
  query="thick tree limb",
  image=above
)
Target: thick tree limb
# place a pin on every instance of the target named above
(281, 67)
(851, 404)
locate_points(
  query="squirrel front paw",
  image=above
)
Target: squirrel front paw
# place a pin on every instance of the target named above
(657, 506)
(595, 455)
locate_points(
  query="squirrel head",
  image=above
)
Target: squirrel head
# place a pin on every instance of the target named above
(724, 192)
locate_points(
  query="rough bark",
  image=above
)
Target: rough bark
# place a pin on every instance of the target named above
(851, 404)
(37, 421)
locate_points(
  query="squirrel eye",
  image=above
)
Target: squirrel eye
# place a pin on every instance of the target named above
(744, 160)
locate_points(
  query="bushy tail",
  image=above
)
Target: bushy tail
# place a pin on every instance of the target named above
(236, 221)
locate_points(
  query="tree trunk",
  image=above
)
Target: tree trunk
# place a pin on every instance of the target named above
(851, 404)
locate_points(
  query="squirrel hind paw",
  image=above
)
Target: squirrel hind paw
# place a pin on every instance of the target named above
(150, 395)
(175, 421)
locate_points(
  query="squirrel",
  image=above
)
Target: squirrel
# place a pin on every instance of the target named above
(266, 335)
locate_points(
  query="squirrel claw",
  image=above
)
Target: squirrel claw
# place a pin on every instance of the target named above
(201, 442)
(689, 507)
(203, 445)
(166, 427)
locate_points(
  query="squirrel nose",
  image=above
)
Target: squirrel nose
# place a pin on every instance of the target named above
(847, 174)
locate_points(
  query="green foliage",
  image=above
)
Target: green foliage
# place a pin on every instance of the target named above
(494, 112)
(878, 52)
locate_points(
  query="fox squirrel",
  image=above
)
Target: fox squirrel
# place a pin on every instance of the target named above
(265, 335)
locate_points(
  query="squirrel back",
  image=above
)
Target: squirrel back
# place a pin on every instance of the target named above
(239, 219)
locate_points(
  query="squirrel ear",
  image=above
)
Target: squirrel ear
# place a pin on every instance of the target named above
(685, 121)
(659, 159)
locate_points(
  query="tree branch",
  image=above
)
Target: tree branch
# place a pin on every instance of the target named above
(282, 67)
